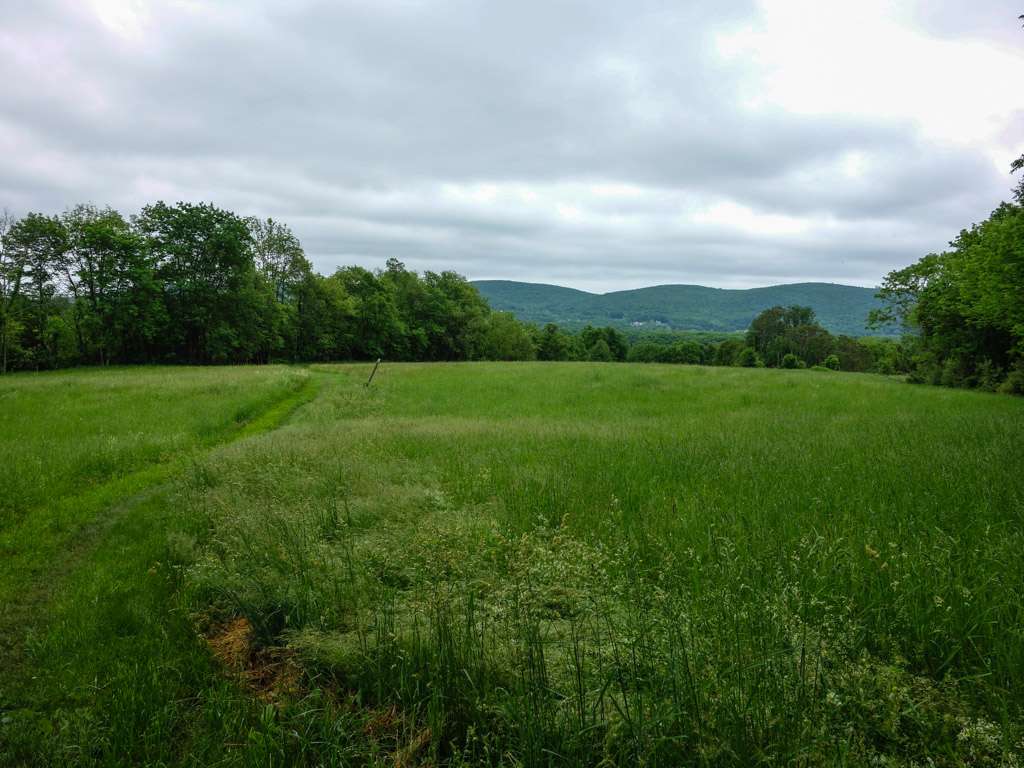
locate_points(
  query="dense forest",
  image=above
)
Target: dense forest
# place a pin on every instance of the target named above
(197, 284)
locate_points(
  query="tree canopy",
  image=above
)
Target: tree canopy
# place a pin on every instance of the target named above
(194, 283)
(963, 309)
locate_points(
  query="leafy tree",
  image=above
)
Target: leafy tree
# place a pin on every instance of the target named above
(39, 244)
(117, 307)
(687, 352)
(810, 343)
(727, 352)
(324, 323)
(460, 321)
(646, 352)
(12, 272)
(204, 261)
(965, 307)
(617, 345)
(901, 289)
(852, 355)
(772, 335)
(278, 256)
(378, 328)
(505, 338)
(832, 362)
(553, 344)
(600, 352)
(989, 272)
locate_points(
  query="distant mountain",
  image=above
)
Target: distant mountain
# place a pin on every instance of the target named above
(840, 308)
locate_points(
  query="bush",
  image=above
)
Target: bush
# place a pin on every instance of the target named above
(789, 360)
(1014, 383)
(748, 358)
(924, 369)
(953, 374)
(832, 362)
(600, 352)
(987, 376)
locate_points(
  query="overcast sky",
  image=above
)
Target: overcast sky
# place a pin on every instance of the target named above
(601, 145)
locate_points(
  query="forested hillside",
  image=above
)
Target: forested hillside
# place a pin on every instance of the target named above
(839, 308)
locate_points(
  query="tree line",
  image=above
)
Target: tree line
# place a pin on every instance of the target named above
(962, 310)
(781, 337)
(193, 283)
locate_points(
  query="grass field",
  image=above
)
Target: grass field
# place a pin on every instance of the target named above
(520, 564)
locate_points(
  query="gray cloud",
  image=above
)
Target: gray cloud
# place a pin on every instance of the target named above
(592, 144)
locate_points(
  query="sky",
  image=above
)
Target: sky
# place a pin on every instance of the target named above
(599, 145)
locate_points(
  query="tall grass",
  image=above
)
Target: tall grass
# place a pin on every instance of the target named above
(64, 432)
(583, 564)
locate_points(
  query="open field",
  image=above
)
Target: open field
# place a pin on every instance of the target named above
(564, 564)
(64, 432)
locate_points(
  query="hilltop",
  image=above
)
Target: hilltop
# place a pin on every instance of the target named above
(840, 308)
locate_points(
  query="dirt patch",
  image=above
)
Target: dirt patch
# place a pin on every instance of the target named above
(409, 755)
(271, 673)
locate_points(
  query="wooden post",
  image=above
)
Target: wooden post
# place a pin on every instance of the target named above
(372, 373)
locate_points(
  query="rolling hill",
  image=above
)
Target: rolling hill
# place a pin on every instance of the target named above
(840, 308)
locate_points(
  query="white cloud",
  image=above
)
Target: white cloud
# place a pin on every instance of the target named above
(864, 59)
(596, 144)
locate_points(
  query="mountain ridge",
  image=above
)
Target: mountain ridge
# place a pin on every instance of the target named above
(676, 306)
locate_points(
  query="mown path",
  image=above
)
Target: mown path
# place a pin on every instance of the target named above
(54, 545)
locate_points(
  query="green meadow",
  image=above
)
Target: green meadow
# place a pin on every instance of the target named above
(509, 564)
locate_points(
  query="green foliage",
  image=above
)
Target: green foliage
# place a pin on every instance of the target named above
(195, 283)
(832, 363)
(681, 352)
(779, 331)
(505, 338)
(36, 245)
(964, 305)
(748, 358)
(553, 344)
(600, 352)
(728, 351)
(1014, 382)
(604, 339)
(790, 337)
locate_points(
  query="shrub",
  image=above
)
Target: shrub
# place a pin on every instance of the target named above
(600, 352)
(748, 358)
(1014, 383)
(987, 376)
(790, 360)
(924, 369)
(952, 373)
(832, 362)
